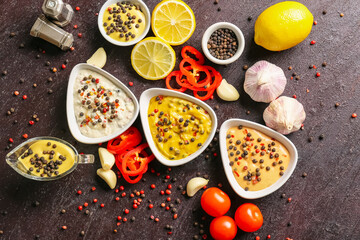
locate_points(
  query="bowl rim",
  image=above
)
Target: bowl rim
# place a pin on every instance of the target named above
(70, 111)
(144, 8)
(239, 36)
(271, 133)
(144, 106)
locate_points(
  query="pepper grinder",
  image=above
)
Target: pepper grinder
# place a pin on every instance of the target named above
(61, 13)
(48, 31)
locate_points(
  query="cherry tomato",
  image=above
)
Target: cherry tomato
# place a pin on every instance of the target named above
(248, 217)
(223, 228)
(215, 202)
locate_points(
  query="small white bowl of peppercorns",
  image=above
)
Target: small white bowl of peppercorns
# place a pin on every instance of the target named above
(223, 43)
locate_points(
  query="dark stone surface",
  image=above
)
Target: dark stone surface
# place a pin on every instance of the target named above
(325, 204)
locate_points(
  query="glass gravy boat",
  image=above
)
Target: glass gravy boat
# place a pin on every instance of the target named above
(12, 158)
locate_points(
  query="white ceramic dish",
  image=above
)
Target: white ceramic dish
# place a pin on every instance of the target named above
(74, 129)
(271, 133)
(143, 8)
(145, 98)
(239, 36)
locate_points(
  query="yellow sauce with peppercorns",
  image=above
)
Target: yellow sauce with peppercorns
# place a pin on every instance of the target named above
(47, 158)
(179, 127)
(257, 161)
(123, 22)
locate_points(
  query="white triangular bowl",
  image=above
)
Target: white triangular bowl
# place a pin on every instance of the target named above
(74, 128)
(271, 133)
(145, 98)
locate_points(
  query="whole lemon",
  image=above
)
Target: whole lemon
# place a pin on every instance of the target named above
(283, 25)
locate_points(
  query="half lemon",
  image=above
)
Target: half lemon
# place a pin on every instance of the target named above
(152, 58)
(173, 21)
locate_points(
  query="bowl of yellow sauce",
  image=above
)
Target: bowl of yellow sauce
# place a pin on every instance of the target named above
(257, 160)
(177, 127)
(46, 158)
(124, 23)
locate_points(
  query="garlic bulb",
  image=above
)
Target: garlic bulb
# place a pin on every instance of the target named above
(264, 81)
(284, 115)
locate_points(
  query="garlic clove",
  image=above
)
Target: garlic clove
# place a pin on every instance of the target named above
(194, 185)
(227, 92)
(264, 81)
(107, 159)
(284, 115)
(98, 59)
(108, 176)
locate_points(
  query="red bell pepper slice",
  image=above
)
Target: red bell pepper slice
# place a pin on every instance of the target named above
(217, 78)
(129, 180)
(134, 162)
(177, 75)
(196, 70)
(184, 53)
(130, 138)
(204, 98)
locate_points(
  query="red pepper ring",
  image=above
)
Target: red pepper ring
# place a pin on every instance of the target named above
(130, 138)
(129, 180)
(127, 158)
(196, 69)
(193, 51)
(217, 78)
(184, 83)
(206, 97)
(134, 162)
(214, 74)
(177, 75)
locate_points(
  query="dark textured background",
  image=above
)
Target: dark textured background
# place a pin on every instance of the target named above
(325, 204)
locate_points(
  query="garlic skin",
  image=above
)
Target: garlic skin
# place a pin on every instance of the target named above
(264, 81)
(284, 115)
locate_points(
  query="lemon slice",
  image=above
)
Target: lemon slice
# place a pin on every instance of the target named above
(173, 21)
(152, 58)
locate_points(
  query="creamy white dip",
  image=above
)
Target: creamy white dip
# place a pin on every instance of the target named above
(100, 107)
